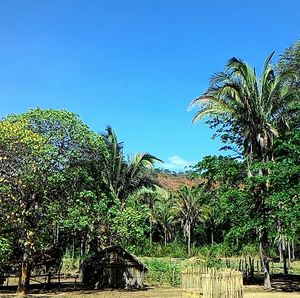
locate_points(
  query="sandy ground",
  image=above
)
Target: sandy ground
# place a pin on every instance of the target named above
(250, 292)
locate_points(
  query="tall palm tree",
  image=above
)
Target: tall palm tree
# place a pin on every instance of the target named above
(190, 211)
(254, 108)
(251, 110)
(123, 176)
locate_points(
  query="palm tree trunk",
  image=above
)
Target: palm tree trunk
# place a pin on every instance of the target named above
(150, 220)
(165, 236)
(289, 252)
(189, 239)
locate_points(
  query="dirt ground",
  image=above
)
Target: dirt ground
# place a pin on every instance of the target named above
(250, 292)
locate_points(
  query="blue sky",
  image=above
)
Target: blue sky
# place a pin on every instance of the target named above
(135, 65)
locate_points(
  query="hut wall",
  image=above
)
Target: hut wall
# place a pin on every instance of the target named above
(113, 268)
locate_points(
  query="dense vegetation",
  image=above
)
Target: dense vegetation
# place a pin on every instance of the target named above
(68, 191)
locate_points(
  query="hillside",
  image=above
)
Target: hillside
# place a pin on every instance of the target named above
(173, 181)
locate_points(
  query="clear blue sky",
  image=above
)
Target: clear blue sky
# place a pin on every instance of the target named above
(135, 65)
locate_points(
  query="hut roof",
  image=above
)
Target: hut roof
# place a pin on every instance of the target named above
(114, 256)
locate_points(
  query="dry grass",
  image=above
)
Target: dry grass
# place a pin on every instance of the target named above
(250, 292)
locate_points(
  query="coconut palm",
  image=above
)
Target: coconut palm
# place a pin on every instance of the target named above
(251, 111)
(164, 213)
(125, 176)
(252, 107)
(190, 211)
(149, 197)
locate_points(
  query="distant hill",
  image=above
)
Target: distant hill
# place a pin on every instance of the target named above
(173, 181)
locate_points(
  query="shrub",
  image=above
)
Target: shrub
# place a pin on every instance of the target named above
(162, 271)
(70, 265)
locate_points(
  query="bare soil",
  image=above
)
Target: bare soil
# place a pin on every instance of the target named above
(250, 292)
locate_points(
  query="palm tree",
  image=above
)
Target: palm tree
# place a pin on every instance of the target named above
(251, 111)
(253, 107)
(190, 211)
(163, 213)
(124, 177)
(149, 197)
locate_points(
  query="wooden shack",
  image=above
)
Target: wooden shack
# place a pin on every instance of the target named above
(113, 267)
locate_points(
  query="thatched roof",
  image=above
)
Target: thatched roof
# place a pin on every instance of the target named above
(113, 256)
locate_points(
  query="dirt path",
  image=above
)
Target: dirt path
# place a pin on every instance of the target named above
(250, 292)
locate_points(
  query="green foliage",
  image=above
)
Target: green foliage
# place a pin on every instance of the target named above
(190, 211)
(159, 250)
(226, 170)
(128, 226)
(70, 265)
(62, 185)
(210, 256)
(290, 59)
(250, 250)
(6, 250)
(125, 177)
(246, 109)
(162, 272)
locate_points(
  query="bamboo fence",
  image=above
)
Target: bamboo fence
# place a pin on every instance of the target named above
(211, 283)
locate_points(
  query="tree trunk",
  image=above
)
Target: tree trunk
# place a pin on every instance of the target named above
(284, 255)
(264, 245)
(280, 252)
(289, 251)
(56, 234)
(285, 265)
(82, 246)
(251, 272)
(150, 220)
(165, 236)
(189, 239)
(24, 278)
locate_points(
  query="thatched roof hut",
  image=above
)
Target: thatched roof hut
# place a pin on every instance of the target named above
(113, 267)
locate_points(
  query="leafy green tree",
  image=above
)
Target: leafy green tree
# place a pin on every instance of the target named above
(290, 59)
(247, 111)
(284, 191)
(23, 165)
(128, 226)
(39, 151)
(218, 176)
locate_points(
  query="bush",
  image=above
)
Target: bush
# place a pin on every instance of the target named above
(210, 255)
(70, 265)
(163, 271)
(250, 250)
